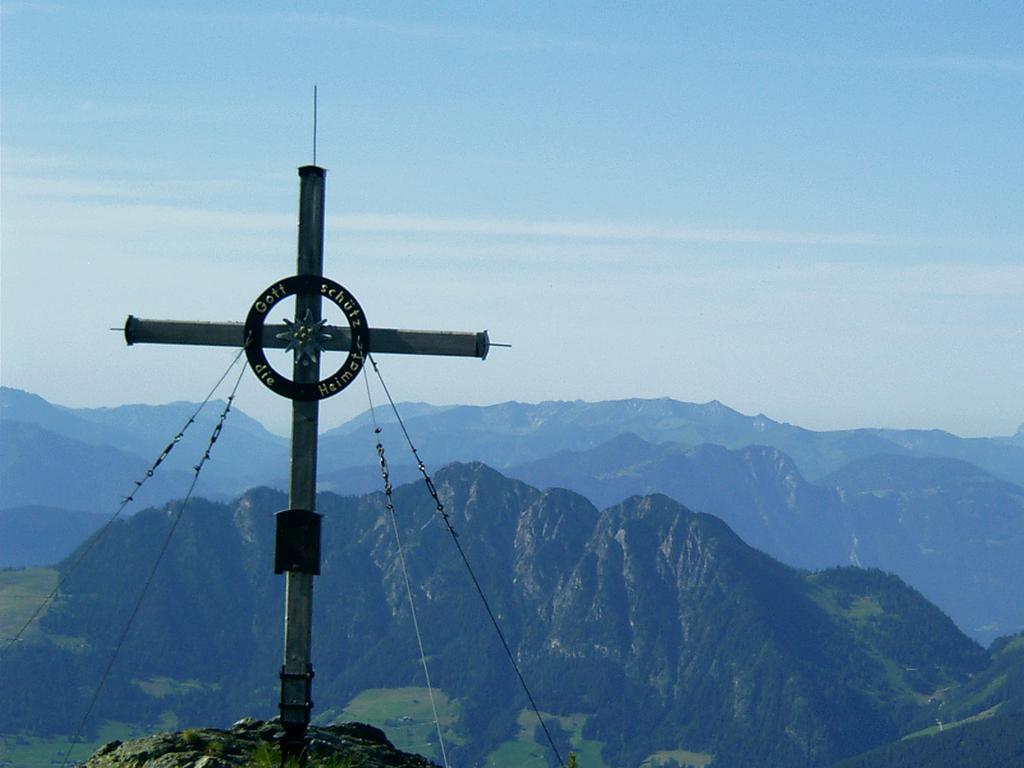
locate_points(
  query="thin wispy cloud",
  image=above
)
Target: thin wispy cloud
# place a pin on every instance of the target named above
(604, 230)
(507, 40)
(111, 188)
(89, 217)
(155, 203)
(28, 163)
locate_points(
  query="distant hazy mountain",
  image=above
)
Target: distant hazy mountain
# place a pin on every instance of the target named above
(757, 490)
(42, 468)
(88, 458)
(755, 477)
(25, 407)
(504, 435)
(138, 428)
(1018, 437)
(42, 535)
(945, 526)
(990, 454)
(511, 434)
(657, 623)
(951, 529)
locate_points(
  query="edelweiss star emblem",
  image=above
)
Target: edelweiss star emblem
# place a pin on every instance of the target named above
(306, 338)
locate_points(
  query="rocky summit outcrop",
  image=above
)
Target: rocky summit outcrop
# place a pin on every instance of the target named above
(254, 743)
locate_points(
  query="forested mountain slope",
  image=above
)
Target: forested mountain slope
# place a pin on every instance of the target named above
(658, 624)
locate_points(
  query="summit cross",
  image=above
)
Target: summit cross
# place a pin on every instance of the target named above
(297, 551)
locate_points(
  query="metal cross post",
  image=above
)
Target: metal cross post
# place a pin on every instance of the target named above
(297, 553)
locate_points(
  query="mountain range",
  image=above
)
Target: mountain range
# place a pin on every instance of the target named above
(510, 434)
(943, 525)
(944, 513)
(655, 626)
(615, 596)
(502, 436)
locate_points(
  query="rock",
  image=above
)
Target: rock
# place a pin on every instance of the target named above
(251, 742)
(110, 746)
(211, 762)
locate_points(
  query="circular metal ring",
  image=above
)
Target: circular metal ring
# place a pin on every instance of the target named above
(306, 285)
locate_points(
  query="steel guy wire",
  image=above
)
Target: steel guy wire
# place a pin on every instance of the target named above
(214, 435)
(389, 504)
(465, 560)
(125, 501)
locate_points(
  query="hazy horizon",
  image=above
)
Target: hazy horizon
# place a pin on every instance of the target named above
(383, 412)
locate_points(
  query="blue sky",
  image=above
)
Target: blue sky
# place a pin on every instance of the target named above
(808, 210)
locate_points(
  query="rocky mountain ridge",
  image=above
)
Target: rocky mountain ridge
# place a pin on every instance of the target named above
(943, 525)
(899, 516)
(502, 435)
(643, 607)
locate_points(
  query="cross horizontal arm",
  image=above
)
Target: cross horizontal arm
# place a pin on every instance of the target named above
(382, 340)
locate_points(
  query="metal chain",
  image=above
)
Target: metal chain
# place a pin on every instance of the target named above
(125, 501)
(469, 568)
(152, 573)
(390, 506)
